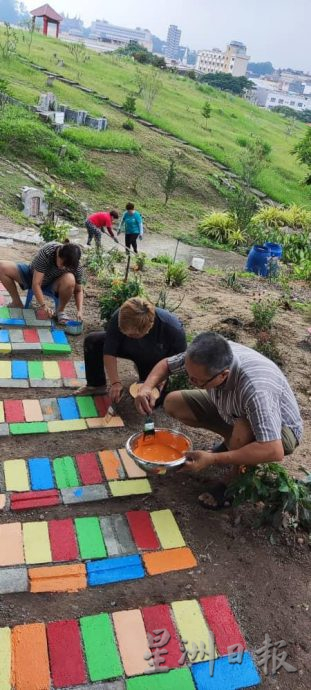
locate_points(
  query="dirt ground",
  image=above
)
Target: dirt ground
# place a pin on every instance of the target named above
(268, 584)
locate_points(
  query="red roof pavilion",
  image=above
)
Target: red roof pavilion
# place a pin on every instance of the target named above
(49, 16)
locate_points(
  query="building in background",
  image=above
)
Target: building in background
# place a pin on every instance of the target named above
(119, 35)
(233, 60)
(271, 98)
(172, 42)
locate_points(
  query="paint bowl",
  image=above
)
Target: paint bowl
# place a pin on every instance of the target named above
(74, 327)
(164, 451)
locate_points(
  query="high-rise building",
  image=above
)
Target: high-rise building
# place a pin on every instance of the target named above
(233, 60)
(172, 42)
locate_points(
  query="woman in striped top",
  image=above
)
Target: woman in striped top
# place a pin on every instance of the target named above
(57, 268)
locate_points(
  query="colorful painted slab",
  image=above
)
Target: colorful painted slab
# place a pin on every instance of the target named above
(47, 341)
(42, 482)
(92, 551)
(24, 317)
(19, 373)
(139, 649)
(53, 415)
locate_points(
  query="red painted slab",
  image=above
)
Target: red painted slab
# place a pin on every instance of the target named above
(65, 651)
(159, 618)
(2, 300)
(31, 335)
(63, 540)
(222, 623)
(42, 315)
(13, 411)
(34, 499)
(102, 403)
(67, 369)
(142, 530)
(89, 469)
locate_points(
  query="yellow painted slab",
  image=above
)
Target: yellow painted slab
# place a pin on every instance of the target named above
(167, 529)
(36, 542)
(5, 370)
(130, 487)
(5, 658)
(51, 370)
(16, 476)
(67, 425)
(1, 411)
(192, 627)
(5, 348)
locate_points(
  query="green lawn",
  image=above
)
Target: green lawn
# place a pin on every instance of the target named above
(177, 109)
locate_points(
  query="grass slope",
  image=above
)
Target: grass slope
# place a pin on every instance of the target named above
(177, 109)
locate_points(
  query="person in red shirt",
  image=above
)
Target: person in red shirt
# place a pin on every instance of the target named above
(98, 223)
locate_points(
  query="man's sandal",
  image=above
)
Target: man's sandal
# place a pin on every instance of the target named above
(61, 318)
(214, 498)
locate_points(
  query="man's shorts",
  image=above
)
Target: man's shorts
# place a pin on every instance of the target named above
(207, 414)
(26, 276)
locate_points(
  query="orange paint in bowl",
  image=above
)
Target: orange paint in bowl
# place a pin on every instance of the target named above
(162, 447)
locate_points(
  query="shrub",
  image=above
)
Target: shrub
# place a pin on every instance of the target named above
(176, 274)
(162, 259)
(118, 291)
(294, 217)
(236, 237)
(264, 312)
(216, 227)
(140, 261)
(128, 124)
(242, 141)
(242, 206)
(50, 232)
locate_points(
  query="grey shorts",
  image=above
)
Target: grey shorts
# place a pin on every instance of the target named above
(207, 414)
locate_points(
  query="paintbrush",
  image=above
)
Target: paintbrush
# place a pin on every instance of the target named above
(149, 430)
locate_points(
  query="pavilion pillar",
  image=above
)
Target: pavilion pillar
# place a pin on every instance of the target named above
(57, 29)
(45, 25)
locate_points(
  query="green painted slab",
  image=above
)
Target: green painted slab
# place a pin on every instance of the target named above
(29, 428)
(4, 313)
(35, 370)
(86, 406)
(90, 538)
(65, 472)
(180, 678)
(102, 656)
(54, 348)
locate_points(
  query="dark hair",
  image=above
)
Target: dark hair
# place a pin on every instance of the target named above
(212, 351)
(130, 206)
(70, 254)
(114, 214)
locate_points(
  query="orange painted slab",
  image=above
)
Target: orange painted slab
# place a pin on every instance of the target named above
(104, 422)
(30, 657)
(132, 641)
(11, 544)
(111, 464)
(58, 578)
(32, 411)
(132, 470)
(172, 559)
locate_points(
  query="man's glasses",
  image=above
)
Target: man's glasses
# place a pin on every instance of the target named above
(203, 384)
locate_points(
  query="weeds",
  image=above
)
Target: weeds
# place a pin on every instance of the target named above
(103, 141)
(264, 313)
(176, 274)
(140, 261)
(116, 292)
(54, 233)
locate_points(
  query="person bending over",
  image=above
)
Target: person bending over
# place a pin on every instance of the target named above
(55, 267)
(240, 395)
(97, 223)
(137, 331)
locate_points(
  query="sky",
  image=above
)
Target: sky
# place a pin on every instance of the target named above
(276, 30)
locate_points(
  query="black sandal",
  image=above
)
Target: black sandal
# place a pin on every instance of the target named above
(217, 490)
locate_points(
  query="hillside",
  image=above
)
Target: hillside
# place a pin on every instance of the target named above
(177, 109)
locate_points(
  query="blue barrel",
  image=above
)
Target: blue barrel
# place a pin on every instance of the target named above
(275, 249)
(258, 260)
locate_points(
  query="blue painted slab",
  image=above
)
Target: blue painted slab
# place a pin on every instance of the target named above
(80, 369)
(68, 408)
(41, 476)
(4, 337)
(19, 370)
(59, 337)
(114, 570)
(12, 322)
(226, 676)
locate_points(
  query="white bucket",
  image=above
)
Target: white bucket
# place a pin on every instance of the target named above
(198, 263)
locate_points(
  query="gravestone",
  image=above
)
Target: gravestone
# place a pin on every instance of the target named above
(100, 123)
(47, 101)
(34, 202)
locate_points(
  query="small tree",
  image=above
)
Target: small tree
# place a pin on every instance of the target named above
(303, 153)
(130, 104)
(242, 206)
(254, 159)
(28, 33)
(206, 112)
(4, 93)
(78, 51)
(170, 182)
(149, 84)
(8, 41)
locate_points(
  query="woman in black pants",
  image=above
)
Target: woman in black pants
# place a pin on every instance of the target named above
(137, 331)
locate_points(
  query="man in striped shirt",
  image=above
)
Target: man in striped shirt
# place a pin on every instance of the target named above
(57, 268)
(240, 395)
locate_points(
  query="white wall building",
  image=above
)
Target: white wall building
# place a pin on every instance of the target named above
(233, 60)
(272, 99)
(102, 30)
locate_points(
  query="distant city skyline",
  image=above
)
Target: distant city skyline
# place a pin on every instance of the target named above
(275, 30)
